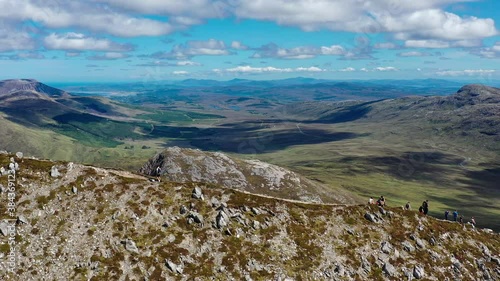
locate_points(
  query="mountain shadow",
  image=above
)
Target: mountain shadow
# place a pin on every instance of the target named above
(274, 141)
(486, 181)
(425, 166)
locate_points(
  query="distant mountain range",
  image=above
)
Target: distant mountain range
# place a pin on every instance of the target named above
(279, 91)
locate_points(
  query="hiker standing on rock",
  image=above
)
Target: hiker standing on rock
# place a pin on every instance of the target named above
(407, 206)
(158, 173)
(455, 215)
(473, 222)
(425, 206)
(370, 201)
(446, 213)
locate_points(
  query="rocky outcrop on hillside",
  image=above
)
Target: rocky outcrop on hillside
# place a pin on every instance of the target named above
(192, 165)
(96, 224)
(476, 93)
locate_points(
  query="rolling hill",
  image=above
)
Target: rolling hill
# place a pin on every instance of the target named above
(51, 123)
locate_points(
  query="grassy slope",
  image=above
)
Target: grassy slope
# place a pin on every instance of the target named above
(380, 164)
(49, 144)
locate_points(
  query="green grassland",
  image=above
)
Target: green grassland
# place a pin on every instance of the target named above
(403, 167)
(177, 116)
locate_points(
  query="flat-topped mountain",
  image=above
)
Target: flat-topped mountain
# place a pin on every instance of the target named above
(77, 222)
(9, 87)
(193, 165)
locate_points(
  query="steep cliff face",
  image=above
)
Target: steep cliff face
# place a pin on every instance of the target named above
(77, 222)
(190, 165)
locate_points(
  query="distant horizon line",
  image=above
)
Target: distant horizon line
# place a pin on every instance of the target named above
(60, 82)
(469, 81)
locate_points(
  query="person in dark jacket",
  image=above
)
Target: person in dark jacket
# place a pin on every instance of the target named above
(425, 206)
(446, 213)
(407, 206)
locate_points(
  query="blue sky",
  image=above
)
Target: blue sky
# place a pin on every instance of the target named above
(156, 40)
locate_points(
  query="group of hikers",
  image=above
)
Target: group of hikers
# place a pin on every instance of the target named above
(380, 201)
(460, 218)
(424, 209)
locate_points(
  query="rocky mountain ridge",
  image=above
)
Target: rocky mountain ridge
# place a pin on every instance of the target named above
(469, 115)
(193, 165)
(78, 222)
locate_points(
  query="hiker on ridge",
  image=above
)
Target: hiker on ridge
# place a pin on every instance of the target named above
(407, 206)
(381, 201)
(446, 213)
(158, 173)
(455, 215)
(425, 206)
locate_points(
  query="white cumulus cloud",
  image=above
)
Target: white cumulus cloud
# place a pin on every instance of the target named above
(187, 63)
(386, 45)
(82, 14)
(408, 19)
(268, 69)
(348, 69)
(109, 56)
(72, 41)
(193, 48)
(388, 68)
(14, 40)
(467, 72)
(414, 54)
(272, 50)
(180, 72)
(237, 45)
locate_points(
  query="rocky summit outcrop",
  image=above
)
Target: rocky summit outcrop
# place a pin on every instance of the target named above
(192, 165)
(477, 93)
(121, 226)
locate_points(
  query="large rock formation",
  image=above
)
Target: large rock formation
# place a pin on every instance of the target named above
(192, 165)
